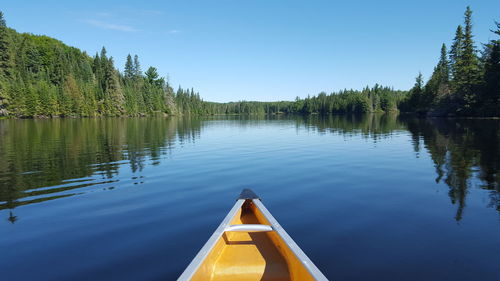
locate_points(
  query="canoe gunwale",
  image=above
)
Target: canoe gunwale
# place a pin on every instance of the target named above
(210, 244)
(296, 250)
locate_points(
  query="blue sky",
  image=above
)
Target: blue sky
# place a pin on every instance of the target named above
(262, 50)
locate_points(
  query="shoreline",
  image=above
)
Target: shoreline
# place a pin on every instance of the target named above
(42, 117)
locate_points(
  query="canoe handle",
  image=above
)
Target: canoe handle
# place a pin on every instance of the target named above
(249, 228)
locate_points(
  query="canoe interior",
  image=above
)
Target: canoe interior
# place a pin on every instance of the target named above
(251, 256)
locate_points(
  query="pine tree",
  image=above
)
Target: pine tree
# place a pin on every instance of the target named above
(97, 68)
(137, 67)
(416, 99)
(456, 56)
(114, 99)
(32, 103)
(443, 66)
(73, 92)
(437, 88)
(103, 53)
(469, 67)
(96, 65)
(5, 52)
(152, 75)
(47, 94)
(129, 68)
(491, 91)
(419, 82)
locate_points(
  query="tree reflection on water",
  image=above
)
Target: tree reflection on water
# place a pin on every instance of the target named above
(466, 153)
(48, 159)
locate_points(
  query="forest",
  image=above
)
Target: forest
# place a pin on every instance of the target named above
(465, 82)
(42, 77)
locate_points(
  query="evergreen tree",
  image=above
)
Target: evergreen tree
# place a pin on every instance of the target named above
(32, 102)
(47, 94)
(151, 74)
(443, 65)
(469, 80)
(437, 88)
(103, 53)
(137, 67)
(419, 82)
(129, 68)
(5, 66)
(456, 55)
(75, 96)
(2, 20)
(491, 92)
(417, 99)
(5, 51)
(99, 77)
(152, 77)
(114, 99)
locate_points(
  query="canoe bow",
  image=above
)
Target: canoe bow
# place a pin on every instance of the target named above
(250, 244)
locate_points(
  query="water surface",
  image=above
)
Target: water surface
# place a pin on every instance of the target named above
(374, 197)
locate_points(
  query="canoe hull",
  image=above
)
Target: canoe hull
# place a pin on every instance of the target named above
(233, 253)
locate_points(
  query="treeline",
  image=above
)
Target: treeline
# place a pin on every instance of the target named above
(465, 82)
(375, 99)
(248, 107)
(41, 76)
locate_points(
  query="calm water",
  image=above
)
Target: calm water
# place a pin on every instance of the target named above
(367, 197)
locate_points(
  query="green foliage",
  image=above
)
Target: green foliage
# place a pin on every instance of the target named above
(376, 99)
(490, 99)
(468, 79)
(47, 95)
(464, 85)
(137, 67)
(129, 68)
(456, 53)
(40, 76)
(437, 89)
(417, 100)
(5, 49)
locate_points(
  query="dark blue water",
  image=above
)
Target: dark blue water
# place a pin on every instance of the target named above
(366, 197)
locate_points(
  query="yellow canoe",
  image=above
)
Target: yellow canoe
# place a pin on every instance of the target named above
(250, 244)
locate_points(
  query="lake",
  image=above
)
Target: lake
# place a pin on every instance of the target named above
(372, 197)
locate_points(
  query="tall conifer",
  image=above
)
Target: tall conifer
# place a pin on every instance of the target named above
(491, 92)
(5, 54)
(137, 67)
(468, 83)
(443, 65)
(129, 68)
(456, 55)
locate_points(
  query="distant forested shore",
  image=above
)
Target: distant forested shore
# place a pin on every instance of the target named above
(42, 77)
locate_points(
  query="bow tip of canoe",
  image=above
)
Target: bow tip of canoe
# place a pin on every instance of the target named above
(247, 193)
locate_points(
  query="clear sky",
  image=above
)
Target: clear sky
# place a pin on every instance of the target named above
(262, 50)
